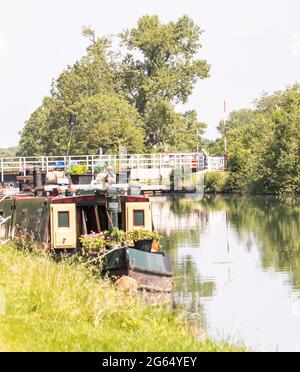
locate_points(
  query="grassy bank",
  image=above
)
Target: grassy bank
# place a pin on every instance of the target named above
(59, 307)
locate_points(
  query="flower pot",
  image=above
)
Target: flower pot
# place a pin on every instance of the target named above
(81, 179)
(143, 245)
(94, 251)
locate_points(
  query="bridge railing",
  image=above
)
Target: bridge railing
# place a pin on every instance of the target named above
(121, 162)
(215, 163)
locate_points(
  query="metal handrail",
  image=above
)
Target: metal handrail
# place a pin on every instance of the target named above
(123, 162)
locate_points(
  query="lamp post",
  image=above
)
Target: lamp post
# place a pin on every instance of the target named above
(72, 123)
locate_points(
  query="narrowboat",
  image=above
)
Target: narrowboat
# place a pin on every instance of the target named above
(58, 223)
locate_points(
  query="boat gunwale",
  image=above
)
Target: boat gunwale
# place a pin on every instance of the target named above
(153, 272)
(136, 268)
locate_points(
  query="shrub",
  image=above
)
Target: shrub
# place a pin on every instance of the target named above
(103, 241)
(217, 182)
(137, 235)
(93, 241)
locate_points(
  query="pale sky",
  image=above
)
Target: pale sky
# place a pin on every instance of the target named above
(252, 45)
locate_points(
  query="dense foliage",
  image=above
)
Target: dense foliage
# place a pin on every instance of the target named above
(217, 182)
(8, 152)
(127, 99)
(264, 145)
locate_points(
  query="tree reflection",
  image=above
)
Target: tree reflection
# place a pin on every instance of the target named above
(184, 232)
(275, 223)
(190, 289)
(271, 224)
(184, 206)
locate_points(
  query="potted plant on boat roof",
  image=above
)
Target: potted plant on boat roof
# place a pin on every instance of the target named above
(93, 243)
(79, 174)
(143, 239)
(115, 239)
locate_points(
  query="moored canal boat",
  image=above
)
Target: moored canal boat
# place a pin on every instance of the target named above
(57, 223)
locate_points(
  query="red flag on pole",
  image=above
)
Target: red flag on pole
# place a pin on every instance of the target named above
(225, 135)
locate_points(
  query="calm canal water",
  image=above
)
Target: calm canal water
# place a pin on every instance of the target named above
(237, 266)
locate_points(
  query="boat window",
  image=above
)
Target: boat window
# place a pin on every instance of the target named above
(63, 220)
(139, 217)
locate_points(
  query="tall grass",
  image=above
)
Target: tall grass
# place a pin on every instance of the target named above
(59, 307)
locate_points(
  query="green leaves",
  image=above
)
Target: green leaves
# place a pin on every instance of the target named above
(8, 152)
(128, 101)
(108, 122)
(264, 144)
(162, 43)
(164, 74)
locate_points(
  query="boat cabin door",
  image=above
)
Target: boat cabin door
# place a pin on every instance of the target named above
(63, 226)
(138, 216)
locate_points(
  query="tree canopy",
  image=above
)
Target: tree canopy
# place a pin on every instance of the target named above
(264, 144)
(128, 99)
(8, 152)
(165, 75)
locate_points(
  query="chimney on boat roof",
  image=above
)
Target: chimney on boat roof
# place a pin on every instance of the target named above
(38, 181)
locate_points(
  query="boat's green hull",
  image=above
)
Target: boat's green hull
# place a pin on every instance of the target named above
(152, 271)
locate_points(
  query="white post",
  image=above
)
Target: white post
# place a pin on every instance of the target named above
(93, 165)
(2, 171)
(24, 166)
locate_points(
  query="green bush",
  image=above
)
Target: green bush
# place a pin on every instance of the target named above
(217, 182)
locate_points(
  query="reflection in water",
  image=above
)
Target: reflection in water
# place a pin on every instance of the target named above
(237, 266)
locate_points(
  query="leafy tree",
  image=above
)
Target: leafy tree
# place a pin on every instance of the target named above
(280, 165)
(89, 89)
(237, 119)
(164, 74)
(109, 122)
(264, 144)
(8, 152)
(172, 130)
(123, 101)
